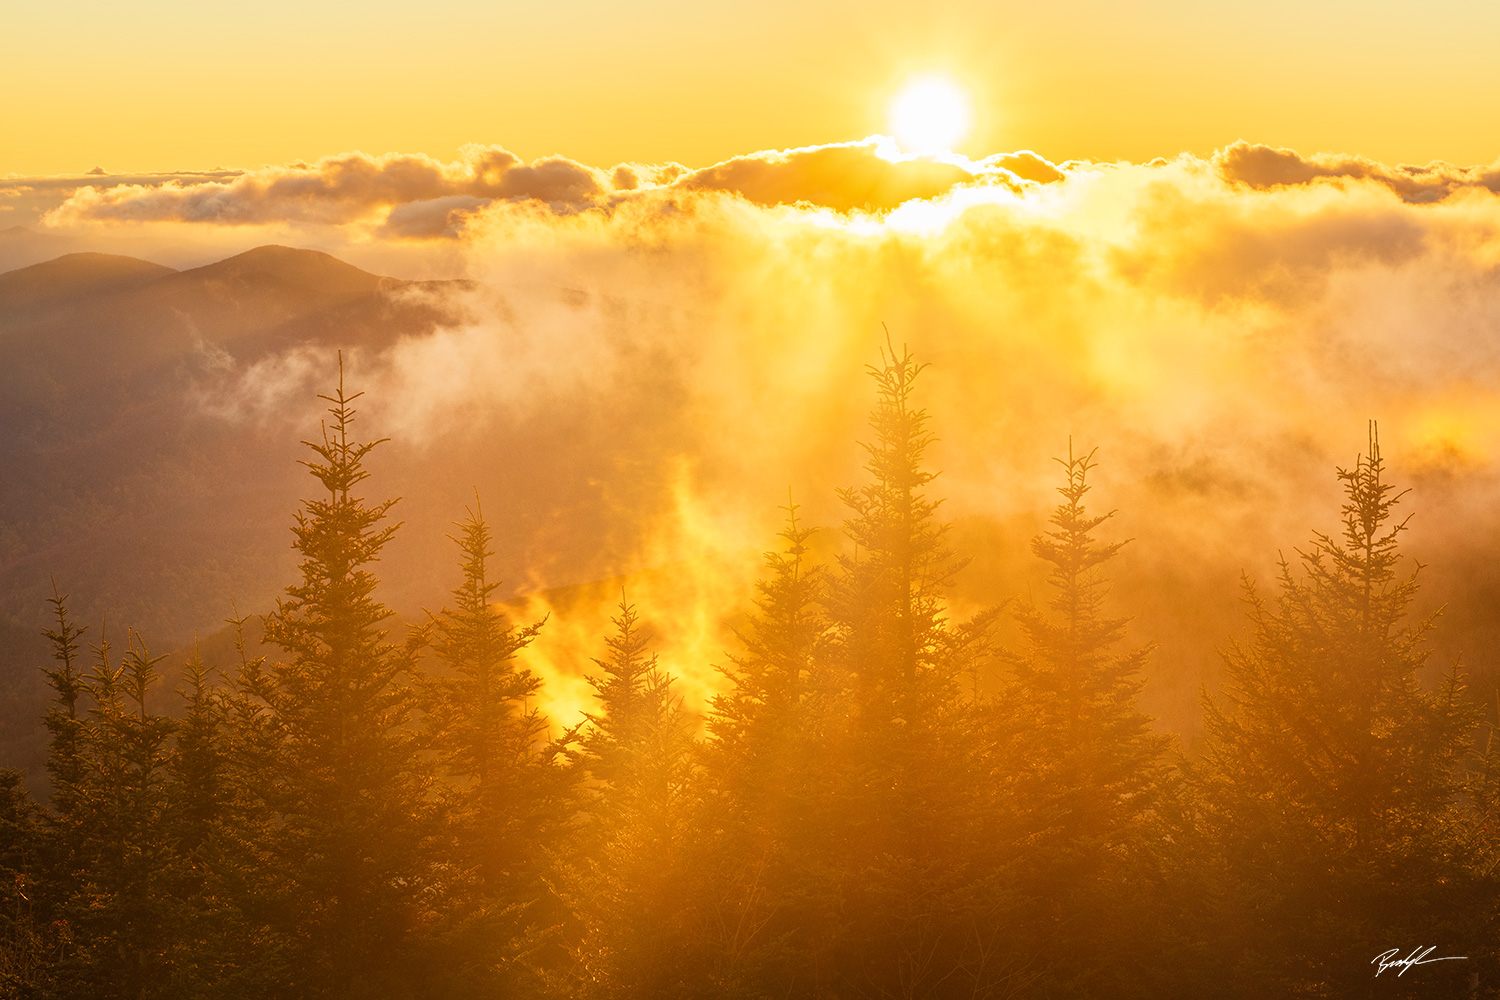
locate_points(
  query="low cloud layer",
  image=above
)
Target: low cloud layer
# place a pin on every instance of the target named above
(655, 354)
(338, 189)
(418, 197)
(868, 175)
(1264, 167)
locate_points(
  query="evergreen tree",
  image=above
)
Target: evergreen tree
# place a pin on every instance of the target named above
(755, 723)
(1084, 768)
(1330, 780)
(118, 904)
(206, 940)
(198, 789)
(905, 858)
(66, 724)
(350, 789)
(66, 821)
(247, 889)
(25, 942)
(626, 881)
(764, 775)
(503, 790)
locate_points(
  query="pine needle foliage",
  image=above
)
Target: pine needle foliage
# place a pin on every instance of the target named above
(889, 604)
(483, 711)
(766, 775)
(65, 722)
(757, 719)
(1093, 758)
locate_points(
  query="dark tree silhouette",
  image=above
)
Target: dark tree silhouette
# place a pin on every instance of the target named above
(501, 791)
(351, 843)
(766, 786)
(1085, 769)
(626, 879)
(908, 763)
(1330, 781)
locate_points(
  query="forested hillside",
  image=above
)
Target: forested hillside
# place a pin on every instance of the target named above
(885, 798)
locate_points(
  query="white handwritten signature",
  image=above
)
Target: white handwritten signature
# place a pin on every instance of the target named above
(1388, 959)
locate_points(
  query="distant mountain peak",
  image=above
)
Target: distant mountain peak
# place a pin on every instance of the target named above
(71, 278)
(313, 270)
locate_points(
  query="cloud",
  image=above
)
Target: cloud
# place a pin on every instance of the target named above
(431, 219)
(35, 197)
(1027, 165)
(653, 354)
(868, 175)
(630, 176)
(1223, 344)
(339, 189)
(412, 196)
(1264, 167)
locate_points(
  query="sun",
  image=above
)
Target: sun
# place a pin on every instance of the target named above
(930, 115)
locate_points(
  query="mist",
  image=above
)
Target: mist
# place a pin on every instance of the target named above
(646, 359)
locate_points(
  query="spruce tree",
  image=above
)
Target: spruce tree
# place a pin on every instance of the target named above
(1330, 780)
(119, 905)
(246, 876)
(626, 880)
(66, 723)
(502, 791)
(350, 795)
(756, 722)
(1084, 768)
(907, 763)
(765, 776)
(26, 946)
(199, 827)
(64, 850)
(198, 791)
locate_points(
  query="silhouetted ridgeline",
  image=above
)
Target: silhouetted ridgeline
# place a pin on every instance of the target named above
(884, 799)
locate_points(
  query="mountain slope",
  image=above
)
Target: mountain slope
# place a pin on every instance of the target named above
(65, 281)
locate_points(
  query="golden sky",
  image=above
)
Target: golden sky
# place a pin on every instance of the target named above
(170, 85)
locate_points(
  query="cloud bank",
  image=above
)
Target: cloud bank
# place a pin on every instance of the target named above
(418, 197)
(656, 353)
(1263, 167)
(338, 189)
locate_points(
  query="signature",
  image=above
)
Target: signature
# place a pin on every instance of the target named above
(1388, 959)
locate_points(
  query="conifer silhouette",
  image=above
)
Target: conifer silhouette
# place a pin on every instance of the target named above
(1084, 767)
(353, 832)
(1330, 778)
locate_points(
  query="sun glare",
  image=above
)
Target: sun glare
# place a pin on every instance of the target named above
(931, 115)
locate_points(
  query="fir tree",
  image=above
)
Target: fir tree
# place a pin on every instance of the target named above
(119, 906)
(1330, 779)
(198, 789)
(350, 789)
(626, 880)
(1084, 768)
(66, 725)
(502, 789)
(889, 604)
(209, 936)
(26, 946)
(764, 772)
(907, 764)
(754, 725)
(246, 880)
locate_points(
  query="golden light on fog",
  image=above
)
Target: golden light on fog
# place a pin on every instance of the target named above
(930, 115)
